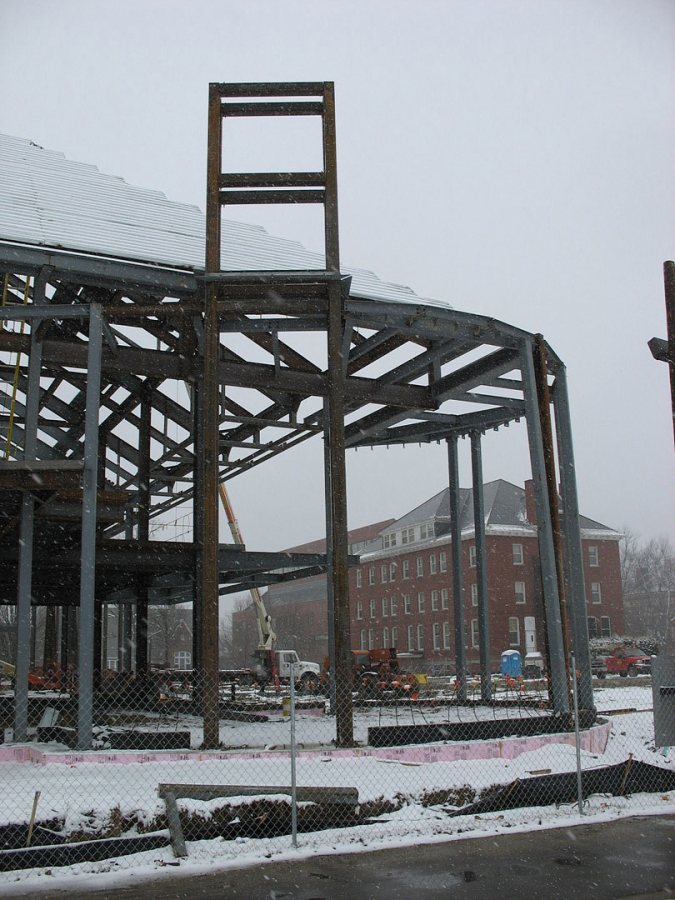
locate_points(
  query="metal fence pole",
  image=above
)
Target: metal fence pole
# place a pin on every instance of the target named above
(294, 793)
(577, 737)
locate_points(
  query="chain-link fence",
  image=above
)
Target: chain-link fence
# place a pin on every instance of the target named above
(425, 761)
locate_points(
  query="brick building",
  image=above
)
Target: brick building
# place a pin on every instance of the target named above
(401, 591)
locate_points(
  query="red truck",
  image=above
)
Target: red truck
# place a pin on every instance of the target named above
(628, 661)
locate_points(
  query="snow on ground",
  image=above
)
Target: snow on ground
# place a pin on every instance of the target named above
(86, 792)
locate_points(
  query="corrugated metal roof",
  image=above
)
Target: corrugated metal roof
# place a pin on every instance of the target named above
(49, 201)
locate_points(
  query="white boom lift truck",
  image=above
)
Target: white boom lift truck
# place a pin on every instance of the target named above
(273, 665)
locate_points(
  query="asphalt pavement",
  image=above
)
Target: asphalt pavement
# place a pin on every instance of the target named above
(629, 858)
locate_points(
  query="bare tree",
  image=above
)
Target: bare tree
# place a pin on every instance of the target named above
(648, 580)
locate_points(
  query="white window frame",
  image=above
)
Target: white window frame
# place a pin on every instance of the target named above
(385, 607)
(593, 556)
(420, 566)
(605, 629)
(408, 536)
(442, 561)
(372, 609)
(434, 601)
(596, 593)
(411, 638)
(475, 636)
(446, 635)
(520, 592)
(393, 566)
(371, 638)
(182, 660)
(389, 540)
(359, 610)
(421, 601)
(371, 575)
(472, 556)
(394, 636)
(433, 564)
(436, 635)
(385, 637)
(405, 568)
(593, 630)
(384, 574)
(394, 606)
(474, 594)
(363, 639)
(420, 637)
(514, 631)
(518, 554)
(407, 605)
(445, 598)
(359, 578)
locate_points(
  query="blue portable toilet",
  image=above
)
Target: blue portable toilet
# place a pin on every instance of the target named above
(511, 663)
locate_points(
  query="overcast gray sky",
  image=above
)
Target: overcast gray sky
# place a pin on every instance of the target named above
(513, 157)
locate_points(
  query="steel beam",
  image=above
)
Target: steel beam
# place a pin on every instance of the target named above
(457, 578)
(481, 569)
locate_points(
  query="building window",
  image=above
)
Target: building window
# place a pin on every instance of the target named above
(520, 592)
(372, 608)
(596, 592)
(426, 531)
(518, 556)
(472, 556)
(420, 637)
(514, 631)
(389, 540)
(446, 635)
(405, 568)
(593, 556)
(392, 571)
(359, 609)
(407, 604)
(433, 564)
(385, 637)
(394, 637)
(442, 561)
(385, 607)
(444, 598)
(411, 637)
(434, 601)
(437, 635)
(364, 639)
(182, 660)
(474, 633)
(371, 575)
(394, 606)
(592, 627)
(358, 578)
(474, 595)
(408, 536)
(420, 567)
(605, 626)
(420, 602)
(384, 574)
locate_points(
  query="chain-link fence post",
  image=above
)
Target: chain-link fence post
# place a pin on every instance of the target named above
(577, 736)
(294, 797)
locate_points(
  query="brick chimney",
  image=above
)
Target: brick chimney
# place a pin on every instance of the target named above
(530, 503)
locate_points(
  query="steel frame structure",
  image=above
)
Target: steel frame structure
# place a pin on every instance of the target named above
(99, 445)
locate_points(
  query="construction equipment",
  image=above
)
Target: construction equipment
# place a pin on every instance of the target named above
(273, 665)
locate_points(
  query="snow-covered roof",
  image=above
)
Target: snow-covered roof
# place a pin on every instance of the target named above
(49, 201)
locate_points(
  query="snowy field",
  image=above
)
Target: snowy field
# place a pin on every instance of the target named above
(87, 792)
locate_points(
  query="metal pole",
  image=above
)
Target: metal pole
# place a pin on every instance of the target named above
(577, 737)
(556, 660)
(457, 581)
(88, 549)
(294, 787)
(330, 599)
(481, 569)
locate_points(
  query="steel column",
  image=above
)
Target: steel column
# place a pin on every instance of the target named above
(556, 660)
(27, 522)
(145, 500)
(457, 579)
(88, 547)
(336, 475)
(330, 598)
(574, 565)
(481, 569)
